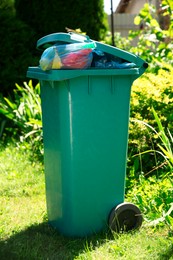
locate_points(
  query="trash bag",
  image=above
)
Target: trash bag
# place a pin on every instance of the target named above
(104, 60)
(67, 56)
(80, 56)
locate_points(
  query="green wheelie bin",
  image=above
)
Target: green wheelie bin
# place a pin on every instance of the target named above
(85, 131)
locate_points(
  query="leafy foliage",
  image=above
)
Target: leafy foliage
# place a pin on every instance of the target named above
(120, 42)
(151, 90)
(16, 47)
(22, 115)
(87, 15)
(154, 42)
(155, 194)
(154, 197)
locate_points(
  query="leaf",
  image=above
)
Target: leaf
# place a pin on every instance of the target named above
(146, 124)
(169, 220)
(11, 105)
(168, 154)
(154, 23)
(157, 221)
(171, 137)
(31, 133)
(33, 121)
(137, 20)
(163, 136)
(6, 113)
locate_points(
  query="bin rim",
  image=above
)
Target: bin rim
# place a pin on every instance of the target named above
(59, 75)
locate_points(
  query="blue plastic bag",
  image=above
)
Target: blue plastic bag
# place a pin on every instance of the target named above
(103, 60)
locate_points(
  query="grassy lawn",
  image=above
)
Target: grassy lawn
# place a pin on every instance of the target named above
(25, 234)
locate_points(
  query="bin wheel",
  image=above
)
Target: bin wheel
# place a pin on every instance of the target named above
(125, 217)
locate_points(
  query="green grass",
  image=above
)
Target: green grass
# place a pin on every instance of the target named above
(25, 234)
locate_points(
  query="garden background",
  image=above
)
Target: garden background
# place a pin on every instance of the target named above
(24, 232)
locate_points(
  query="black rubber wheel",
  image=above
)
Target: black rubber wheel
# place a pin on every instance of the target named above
(125, 217)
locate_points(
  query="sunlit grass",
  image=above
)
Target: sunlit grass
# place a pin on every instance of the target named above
(22, 191)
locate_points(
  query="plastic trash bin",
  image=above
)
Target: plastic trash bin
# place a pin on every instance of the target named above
(85, 130)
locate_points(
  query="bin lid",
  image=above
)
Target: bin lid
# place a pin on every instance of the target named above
(64, 38)
(60, 38)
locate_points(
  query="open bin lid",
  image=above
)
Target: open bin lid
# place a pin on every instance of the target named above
(65, 38)
(60, 38)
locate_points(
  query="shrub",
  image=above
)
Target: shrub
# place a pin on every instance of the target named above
(16, 47)
(151, 90)
(154, 197)
(22, 120)
(87, 15)
(154, 42)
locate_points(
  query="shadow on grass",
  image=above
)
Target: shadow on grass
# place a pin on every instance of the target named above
(44, 242)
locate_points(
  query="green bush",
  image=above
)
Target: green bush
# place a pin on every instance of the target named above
(54, 16)
(154, 197)
(22, 117)
(151, 90)
(16, 50)
(154, 42)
